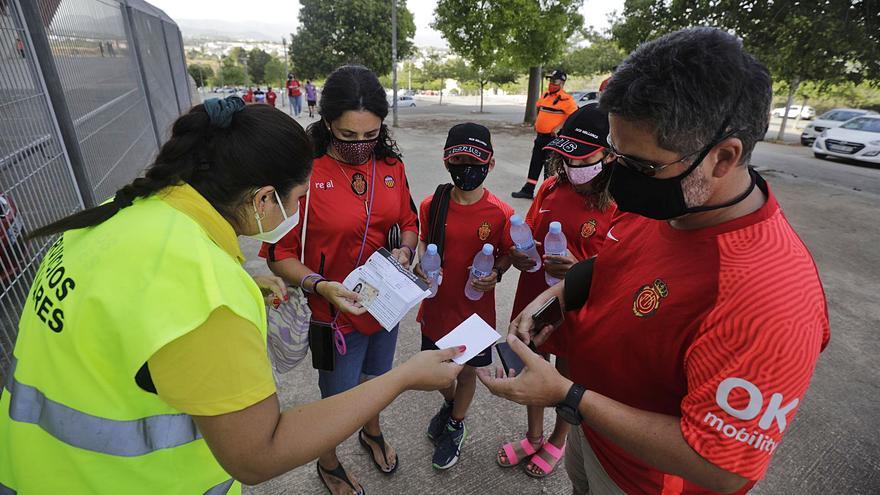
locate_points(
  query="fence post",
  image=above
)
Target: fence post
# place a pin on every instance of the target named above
(46, 62)
(135, 50)
(171, 67)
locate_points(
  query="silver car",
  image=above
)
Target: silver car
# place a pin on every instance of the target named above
(829, 119)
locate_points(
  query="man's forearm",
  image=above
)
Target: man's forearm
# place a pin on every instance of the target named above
(655, 439)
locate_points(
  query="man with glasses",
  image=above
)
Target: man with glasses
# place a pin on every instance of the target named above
(704, 314)
(553, 108)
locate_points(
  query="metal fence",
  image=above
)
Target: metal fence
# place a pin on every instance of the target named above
(88, 91)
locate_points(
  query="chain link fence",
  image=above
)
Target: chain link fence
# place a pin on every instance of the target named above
(88, 91)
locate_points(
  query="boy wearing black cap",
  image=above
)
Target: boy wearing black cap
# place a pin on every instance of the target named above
(553, 108)
(473, 217)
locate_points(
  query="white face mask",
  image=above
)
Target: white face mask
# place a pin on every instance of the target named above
(281, 230)
(581, 175)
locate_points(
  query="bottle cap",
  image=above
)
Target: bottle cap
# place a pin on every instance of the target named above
(432, 249)
(555, 227)
(516, 220)
(488, 249)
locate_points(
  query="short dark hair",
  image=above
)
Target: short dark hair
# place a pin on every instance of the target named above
(353, 88)
(686, 83)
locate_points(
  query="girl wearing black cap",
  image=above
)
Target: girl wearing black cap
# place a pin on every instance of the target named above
(577, 197)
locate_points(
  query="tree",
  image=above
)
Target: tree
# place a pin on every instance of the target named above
(201, 73)
(822, 41)
(599, 57)
(231, 73)
(256, 64)
(238, 55)
(540, 34)
(480, 32)
(275, 71)
(348, 31)
(436, 68)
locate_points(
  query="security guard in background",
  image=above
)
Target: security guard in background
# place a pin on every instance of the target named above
(141, 365)
(553, 108)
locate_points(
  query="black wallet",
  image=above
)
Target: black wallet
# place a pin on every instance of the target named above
(322, 346)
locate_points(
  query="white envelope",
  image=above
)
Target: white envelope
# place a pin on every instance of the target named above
(474, 333)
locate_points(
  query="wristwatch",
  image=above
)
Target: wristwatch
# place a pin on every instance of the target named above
(568, 409)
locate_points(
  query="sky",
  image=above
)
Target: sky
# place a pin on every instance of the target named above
(595, 13)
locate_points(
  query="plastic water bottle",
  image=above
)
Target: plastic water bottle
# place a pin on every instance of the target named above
(431, 266)
(521, 234)
(482, 267)
(555, 244)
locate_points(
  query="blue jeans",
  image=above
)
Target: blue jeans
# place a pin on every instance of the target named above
(367, 357)
(296, 103)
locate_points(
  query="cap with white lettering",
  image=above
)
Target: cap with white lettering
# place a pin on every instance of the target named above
(584, 133)
(469, 139)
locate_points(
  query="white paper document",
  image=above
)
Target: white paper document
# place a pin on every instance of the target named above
(387, 289)
(474, 333)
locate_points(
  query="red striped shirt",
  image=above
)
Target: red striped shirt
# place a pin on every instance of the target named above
(720, 326)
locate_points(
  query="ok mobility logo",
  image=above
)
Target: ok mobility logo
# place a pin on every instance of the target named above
(776, 411)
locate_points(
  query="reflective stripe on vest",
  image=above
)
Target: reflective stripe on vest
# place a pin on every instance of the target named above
(107, 436)
(221, 489)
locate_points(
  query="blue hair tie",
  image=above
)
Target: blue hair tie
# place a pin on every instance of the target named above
(220, 111)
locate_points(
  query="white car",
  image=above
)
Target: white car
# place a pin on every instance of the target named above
(806, 113)
(829, 119)
(856, 139)
(403, 101)
(585, 97)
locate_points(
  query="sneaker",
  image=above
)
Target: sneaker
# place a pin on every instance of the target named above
(438, 422)
(524, 193)
(449, 447)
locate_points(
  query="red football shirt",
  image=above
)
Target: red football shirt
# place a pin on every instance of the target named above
(340, 195)
(721, 326)
(270, 98)
(468, 227)
(584, 227)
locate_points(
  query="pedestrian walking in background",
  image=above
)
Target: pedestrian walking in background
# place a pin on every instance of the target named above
(311, 97)
(248, 96)
(294, 94)
(259, 96)
(271, 96)
(553, 108)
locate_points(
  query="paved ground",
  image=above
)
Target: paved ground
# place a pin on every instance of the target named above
(832, 447)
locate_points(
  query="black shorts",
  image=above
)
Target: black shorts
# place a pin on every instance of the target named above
(480, 360)
(312, 102)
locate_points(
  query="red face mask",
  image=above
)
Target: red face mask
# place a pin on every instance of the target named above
(554, 88)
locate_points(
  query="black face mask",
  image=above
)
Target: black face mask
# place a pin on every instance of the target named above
(662, 199)
(468, 177)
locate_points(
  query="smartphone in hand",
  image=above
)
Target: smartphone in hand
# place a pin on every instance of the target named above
(550, 314)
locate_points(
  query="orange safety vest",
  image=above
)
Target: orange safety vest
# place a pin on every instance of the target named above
(553, 109)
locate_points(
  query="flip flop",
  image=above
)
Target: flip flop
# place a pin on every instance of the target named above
(380, 441)
(339, 473)
(517, 452)
(546, 468)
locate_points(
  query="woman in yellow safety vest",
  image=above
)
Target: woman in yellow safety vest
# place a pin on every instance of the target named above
(141, 364)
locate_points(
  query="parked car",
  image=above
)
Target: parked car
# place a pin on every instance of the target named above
(585, 97)
(829, 119)
(806, 113)
(403, 101)
(13, 251)
(857, 139)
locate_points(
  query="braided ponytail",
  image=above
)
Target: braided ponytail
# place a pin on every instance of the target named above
(260, 146)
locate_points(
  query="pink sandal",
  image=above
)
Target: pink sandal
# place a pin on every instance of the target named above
(546, 468)
(518, 452)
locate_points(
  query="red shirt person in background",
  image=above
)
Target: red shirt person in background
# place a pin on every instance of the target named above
(577, 197)
(270, 96)
(248, 96)
(705, 315)
(294, 94)
(358, 193)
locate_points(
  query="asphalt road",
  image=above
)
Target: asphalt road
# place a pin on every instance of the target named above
(831, 447)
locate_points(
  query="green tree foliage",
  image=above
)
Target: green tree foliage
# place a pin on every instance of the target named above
(825, 41)
(436, 70)
(274, 72)
(231, 73)
(348, 31)
(480, 32)
(540, 34)
(599, 57)
(201, 73)
(256, 65)
(238, 55)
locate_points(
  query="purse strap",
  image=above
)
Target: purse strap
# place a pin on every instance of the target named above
(302, 239)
